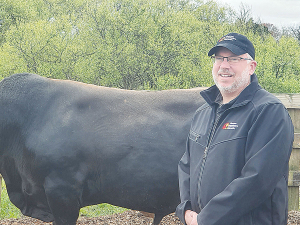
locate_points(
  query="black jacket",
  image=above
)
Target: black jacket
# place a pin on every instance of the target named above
(235, 168)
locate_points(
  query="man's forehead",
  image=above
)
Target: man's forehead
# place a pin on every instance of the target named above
(223, 50)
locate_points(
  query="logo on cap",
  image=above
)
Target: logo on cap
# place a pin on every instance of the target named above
(227, 38)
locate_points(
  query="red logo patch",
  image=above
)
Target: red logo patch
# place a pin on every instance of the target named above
(225, 126)
(230, 126)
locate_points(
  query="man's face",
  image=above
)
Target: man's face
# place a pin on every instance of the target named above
(232, 77)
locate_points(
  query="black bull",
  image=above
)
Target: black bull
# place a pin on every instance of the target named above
(65, 145)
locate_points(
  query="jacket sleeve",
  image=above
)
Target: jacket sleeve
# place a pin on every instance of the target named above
(267, 152)
(184, 185)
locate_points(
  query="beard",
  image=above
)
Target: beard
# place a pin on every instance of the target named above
(241, 81)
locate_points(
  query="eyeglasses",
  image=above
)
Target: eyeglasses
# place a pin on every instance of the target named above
(230, 59)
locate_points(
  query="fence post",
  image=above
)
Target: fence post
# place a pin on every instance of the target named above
(292, 103)
(0, 187)
(294, 174)
(293, 190)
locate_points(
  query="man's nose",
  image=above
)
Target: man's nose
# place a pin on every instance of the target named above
(225, 63)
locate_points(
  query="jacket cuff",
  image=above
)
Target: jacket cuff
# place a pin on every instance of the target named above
(181, 208)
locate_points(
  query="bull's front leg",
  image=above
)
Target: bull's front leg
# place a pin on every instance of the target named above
(157, 218)
(63, 200)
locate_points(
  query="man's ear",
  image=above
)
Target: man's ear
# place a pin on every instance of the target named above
(252, 65)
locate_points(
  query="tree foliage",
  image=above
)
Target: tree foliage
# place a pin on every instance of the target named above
(140, 44)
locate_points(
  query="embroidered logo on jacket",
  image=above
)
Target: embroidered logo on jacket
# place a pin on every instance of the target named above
(230, 126)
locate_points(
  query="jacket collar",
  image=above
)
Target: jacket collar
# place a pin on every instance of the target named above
(210, 95)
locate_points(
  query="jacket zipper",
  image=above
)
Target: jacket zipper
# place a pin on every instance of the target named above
(204, 157)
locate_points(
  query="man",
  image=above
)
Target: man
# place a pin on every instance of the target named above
(235, 168)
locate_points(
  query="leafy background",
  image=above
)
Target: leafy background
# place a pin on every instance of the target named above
(140, 44)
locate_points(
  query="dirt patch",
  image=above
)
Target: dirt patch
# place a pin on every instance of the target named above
(127, 218)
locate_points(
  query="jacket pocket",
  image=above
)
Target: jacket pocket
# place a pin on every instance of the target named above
(198, 138)
(194, 136)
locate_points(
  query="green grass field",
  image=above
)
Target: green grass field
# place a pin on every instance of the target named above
(8, 210)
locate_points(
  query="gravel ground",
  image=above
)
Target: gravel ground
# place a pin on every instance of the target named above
(127, 218)
(294, 218)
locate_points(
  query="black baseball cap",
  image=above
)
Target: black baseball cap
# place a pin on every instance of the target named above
(236, 43)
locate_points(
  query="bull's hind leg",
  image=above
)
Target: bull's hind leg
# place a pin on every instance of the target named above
(63, 201)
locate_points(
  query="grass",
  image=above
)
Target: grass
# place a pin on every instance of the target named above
(100, 210)
(8, 210)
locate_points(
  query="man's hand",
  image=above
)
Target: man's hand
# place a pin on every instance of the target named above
(190, 217)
